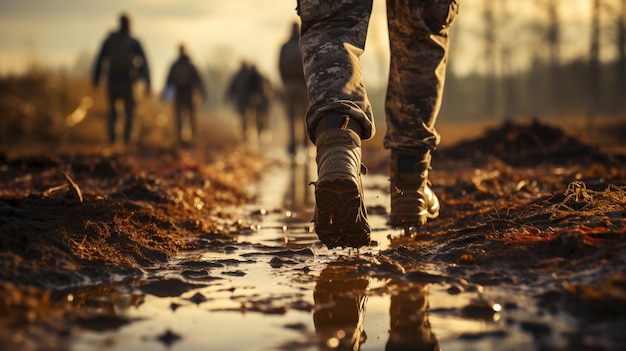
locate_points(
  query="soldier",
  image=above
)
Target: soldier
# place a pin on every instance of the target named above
(184, 79)
(294, 87)
(251, 93)
(340, 116)
(126, 63)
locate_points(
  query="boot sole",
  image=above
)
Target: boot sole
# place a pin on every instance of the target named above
(340, 218)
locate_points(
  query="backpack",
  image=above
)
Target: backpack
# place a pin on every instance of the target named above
(121, 55)
(183, 74)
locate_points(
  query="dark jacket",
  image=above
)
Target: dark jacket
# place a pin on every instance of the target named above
(184, 76)
(248, 88)
(125, 59)
(290, 60)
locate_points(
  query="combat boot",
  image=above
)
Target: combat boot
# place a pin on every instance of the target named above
(413, 202)
(340, 215)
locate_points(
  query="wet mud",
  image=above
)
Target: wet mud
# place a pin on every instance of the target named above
(208, 248)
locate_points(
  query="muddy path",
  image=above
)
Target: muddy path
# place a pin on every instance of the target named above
(212, 248)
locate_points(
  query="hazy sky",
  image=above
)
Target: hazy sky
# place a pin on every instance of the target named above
(57, 32)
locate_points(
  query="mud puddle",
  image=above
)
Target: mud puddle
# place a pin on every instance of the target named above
(277, 288)
(527, 254)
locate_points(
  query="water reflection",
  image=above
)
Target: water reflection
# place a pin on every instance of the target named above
(298, 196)
(110, 299)
(410, 328)
(340, 297)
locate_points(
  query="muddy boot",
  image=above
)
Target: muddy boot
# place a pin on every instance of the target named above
(412, 200)
(340, 216)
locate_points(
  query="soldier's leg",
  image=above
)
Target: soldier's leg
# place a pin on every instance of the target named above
(112, 117)
(129, 108)
(262, 119)
(340, 116)
(296, 104)
(332, 40)
(193, 119)
(244, 113)
(291, 120)
(178, 115)
(418, 36)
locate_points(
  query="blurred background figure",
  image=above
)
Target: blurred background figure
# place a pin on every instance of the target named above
(251, 94)
(294, 96)
(124, 60)
(183, 80)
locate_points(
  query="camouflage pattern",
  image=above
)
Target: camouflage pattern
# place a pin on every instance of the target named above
(418, 36)
(332, 40)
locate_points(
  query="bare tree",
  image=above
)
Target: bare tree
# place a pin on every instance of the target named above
(489, 37)
(594, 62)
(621, 47)
(553, 39)
(553, 34)
(510, 96)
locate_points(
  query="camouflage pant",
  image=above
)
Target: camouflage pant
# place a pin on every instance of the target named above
(333, 38)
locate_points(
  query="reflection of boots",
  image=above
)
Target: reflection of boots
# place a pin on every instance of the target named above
(410, 329)
(340, 307)
(412, 200)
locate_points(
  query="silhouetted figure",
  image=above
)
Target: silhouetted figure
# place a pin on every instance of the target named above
(183, 78)
(294, 87)
(251, 93)
(124, 60)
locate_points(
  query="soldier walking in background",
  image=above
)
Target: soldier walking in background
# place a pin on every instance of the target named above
(294, 95)
(125, 63)
(184, 79)
(251, 93)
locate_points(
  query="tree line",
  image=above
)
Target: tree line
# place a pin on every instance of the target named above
(591, 84)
